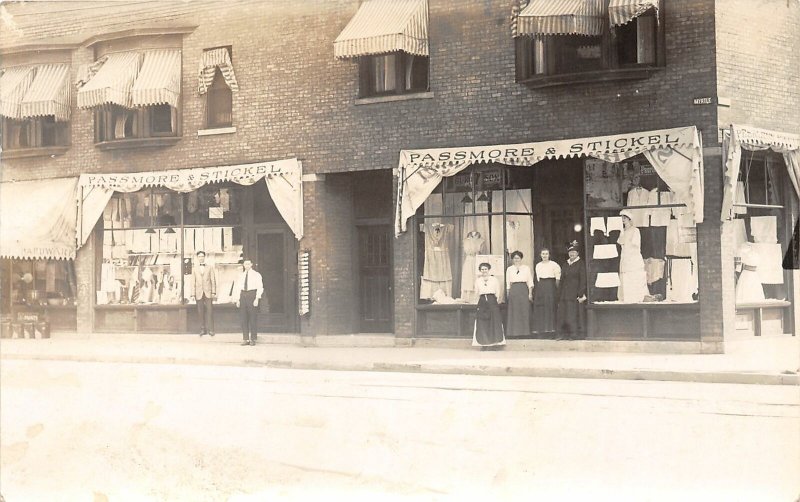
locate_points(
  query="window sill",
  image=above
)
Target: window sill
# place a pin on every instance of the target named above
(541, 81)
(216, 130)
(612, 305)
(764, 305)
(45, 151)
(394, 97)
(121, 144)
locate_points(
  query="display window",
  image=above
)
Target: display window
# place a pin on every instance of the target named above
(481, 215)
(762, 228)
(151, 237)
(33, 283)
(641, 241)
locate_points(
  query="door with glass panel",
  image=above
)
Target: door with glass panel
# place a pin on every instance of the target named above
(375, 278)
(275, 263)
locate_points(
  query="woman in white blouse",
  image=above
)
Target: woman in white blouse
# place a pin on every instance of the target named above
(488, 331)
(519, 289)
(548, 276)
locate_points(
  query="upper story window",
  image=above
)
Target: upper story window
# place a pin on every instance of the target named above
(582, 36)
(395, 73)
(135, 95)
(34, 105)
(218, 83)
(389, 38)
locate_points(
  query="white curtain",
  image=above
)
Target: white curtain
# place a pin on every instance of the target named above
(676, 166)
(415, 186)
(93, 202)
(287, 194)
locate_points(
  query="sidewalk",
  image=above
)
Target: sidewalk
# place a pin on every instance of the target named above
(763, 360)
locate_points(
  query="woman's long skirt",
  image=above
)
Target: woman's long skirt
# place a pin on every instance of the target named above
(544, 306)
(488, 329)
(519, 310)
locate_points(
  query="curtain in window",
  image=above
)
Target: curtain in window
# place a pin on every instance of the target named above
(211, 60)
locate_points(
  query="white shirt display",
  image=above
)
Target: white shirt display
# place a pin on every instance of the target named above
(638, 196)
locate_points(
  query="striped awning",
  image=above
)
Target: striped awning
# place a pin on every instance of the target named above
(562, 17)
(112, 83)
(211, 60)
(159, 81)
(14, 83)
(38, 219)
(624, 11)
(49, 94)
(383, 26)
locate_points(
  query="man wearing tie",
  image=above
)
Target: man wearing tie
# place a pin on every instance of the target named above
(204, 292)
(250, 288)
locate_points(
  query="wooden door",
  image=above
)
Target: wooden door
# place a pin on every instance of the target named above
(375, 278)
(276, 264)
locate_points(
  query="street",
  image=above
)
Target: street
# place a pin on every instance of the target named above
(118, 431)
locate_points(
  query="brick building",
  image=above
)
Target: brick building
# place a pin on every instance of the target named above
(355, 99)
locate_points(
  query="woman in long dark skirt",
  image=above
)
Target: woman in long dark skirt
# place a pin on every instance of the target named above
(488, 331)
(519, 285)
(571, 309)
(545, 297)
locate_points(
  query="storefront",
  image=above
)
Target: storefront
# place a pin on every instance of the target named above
(148, 227)
(762, 183)
(472, 205)
(37, 249)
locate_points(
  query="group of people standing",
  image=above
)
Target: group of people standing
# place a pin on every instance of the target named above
(557, 295)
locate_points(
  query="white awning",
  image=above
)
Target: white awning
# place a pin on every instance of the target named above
(562, 17)
(112, 83)
(159, 81)
(624, 11)
(38, 219)
(679, 163)
(383, 26)
(211, 60)
(49, 94)
(283, 179)
(739, 138)
(14, 83)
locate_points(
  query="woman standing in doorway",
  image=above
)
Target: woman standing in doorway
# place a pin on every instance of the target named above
(488, 331)
(519, 286)
(548, 276)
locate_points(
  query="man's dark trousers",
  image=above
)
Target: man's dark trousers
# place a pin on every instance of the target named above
(249, 315)
(205, 313)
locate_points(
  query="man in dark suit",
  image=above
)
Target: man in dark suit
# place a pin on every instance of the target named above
(204, 292)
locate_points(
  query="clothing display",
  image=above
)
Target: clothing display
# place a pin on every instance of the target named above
(638, 196)
(748, 285)
(770, 262)
(571, 312)
(764, 229)
(674, 246)
(607, 280)
(472, 245)
(437, 273)
(604, 251)
(597, 224)
(632, 276)
(659, 217)
(614, 223)
(740, 199)
(682, 282)
(518, 283)
(545, 291)
(739, 235)
(488, 328)
(654, 269)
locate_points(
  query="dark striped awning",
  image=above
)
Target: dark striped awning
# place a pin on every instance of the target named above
(383, 26)
(562, 17)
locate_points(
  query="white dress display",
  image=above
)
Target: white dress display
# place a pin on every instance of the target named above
(437, 273)
(473, 245)
(748, 286)
(632, 276)
(638, 196)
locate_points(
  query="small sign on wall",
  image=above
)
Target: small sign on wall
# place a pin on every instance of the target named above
(304, 282)
(703, 101)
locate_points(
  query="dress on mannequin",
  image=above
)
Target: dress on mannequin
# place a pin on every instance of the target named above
(473, 244)
(748, 287)
(638, 196)
(632, 276)
(436, 273)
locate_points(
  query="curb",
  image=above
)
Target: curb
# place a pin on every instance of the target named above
(753, 378)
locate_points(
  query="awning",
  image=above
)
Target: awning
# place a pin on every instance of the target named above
(113, 82)
(14, 83)
(739, 138)
(38, 219)
(49, 94)
(624, 11)
(562, 17)
(211, 60)
(676, 154)
(159, 81)
(383, 26)
(283, 179)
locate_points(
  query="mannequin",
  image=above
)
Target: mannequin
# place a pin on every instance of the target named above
(437, 273)
(473, 244)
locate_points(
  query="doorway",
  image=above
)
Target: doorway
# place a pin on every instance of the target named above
(375, 278)
(276, 260)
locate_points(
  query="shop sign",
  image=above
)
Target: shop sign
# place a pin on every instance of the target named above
(304, 282)
(703, 101)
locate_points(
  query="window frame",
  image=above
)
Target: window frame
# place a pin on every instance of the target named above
(220, 93)
(403, 83)
(141, 124)
(34, 130)
(526, 48)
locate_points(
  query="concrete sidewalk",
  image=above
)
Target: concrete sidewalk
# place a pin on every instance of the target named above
(763, 360)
